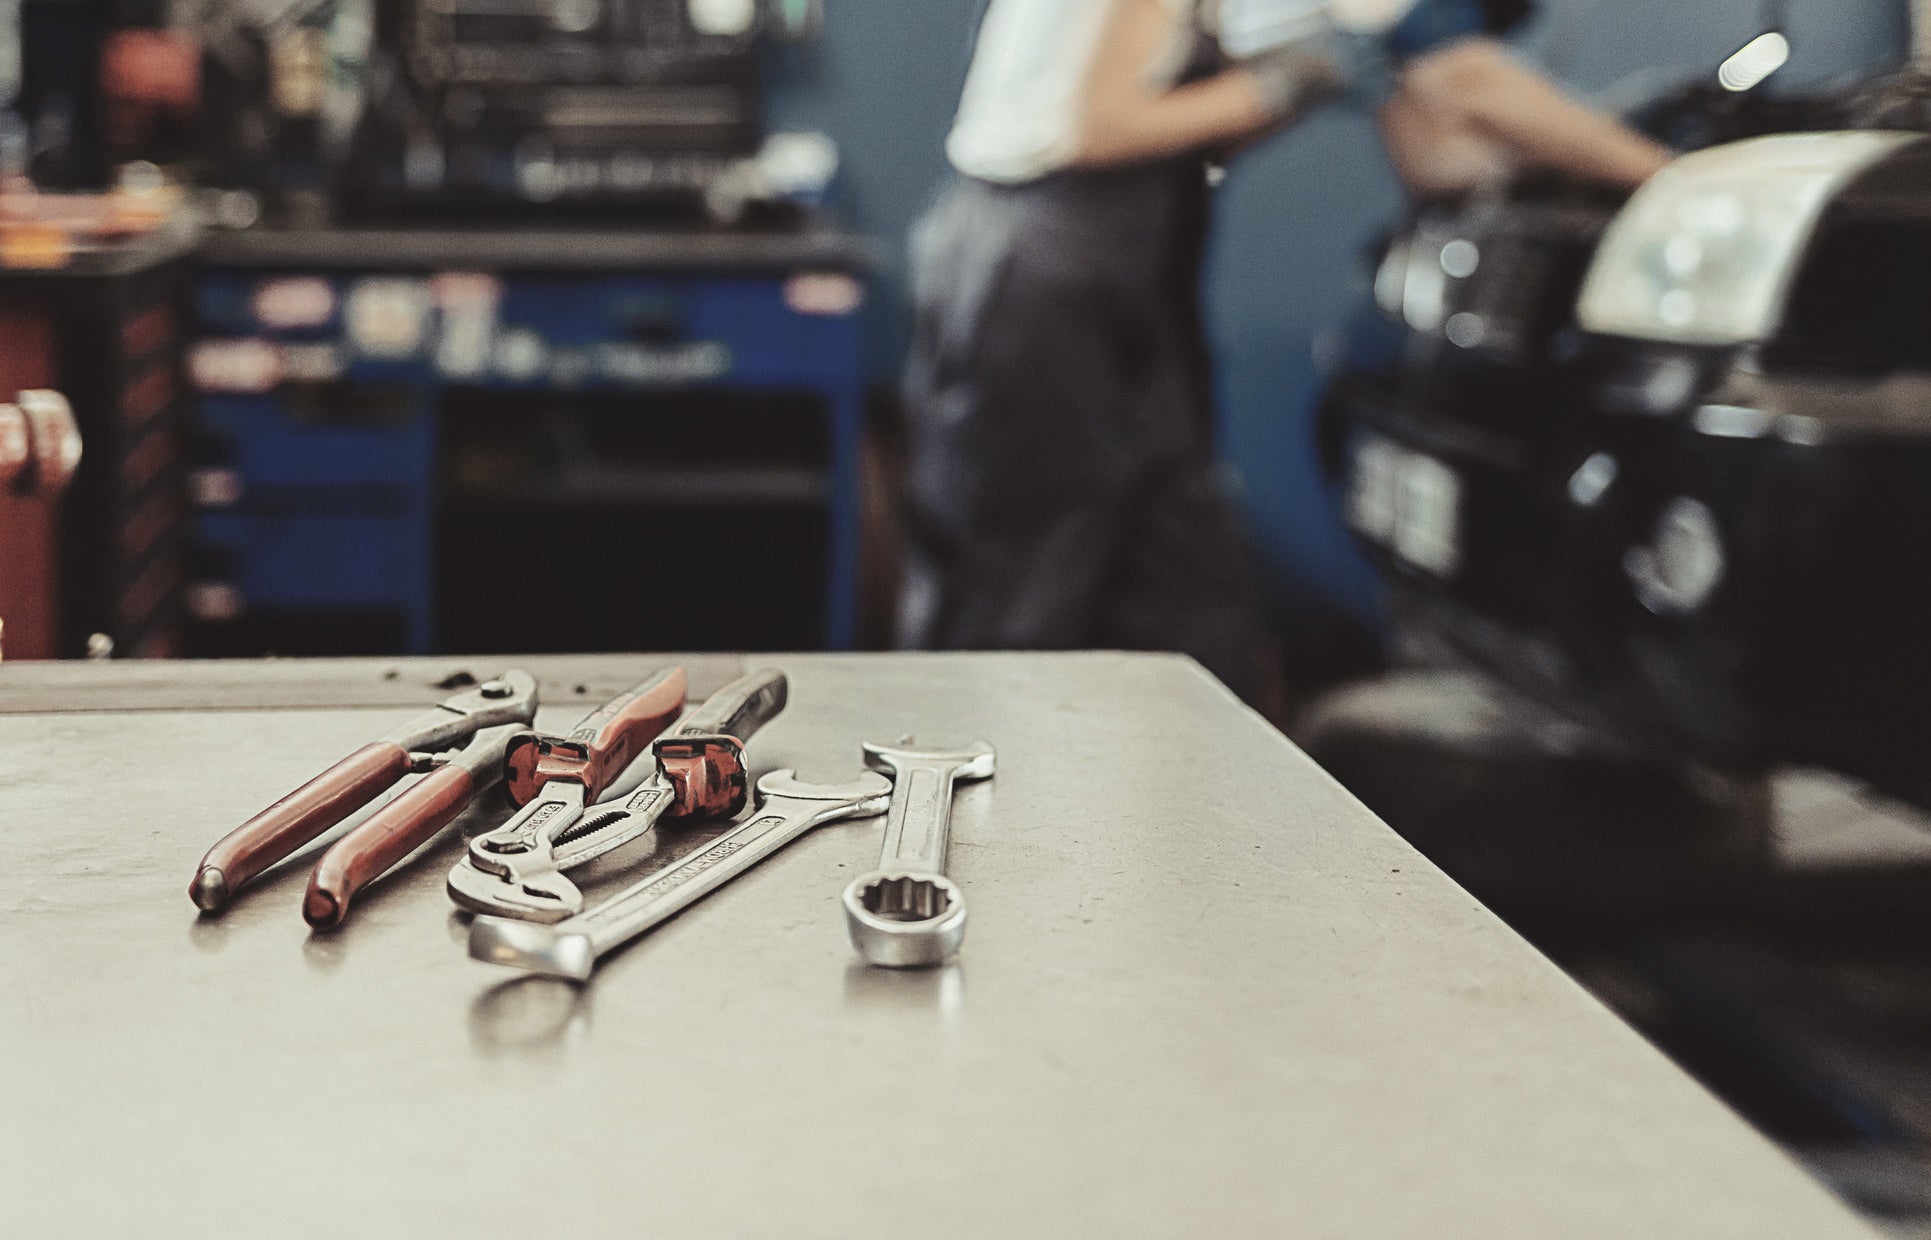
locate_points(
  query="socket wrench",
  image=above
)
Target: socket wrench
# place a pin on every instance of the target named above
(787, 809)
(907, 913)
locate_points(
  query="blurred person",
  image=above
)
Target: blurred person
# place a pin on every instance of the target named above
(1062, 489)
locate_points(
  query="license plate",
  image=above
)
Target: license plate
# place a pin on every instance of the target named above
(1407, 502)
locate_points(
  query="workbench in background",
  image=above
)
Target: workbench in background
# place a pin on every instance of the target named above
(416, 439)
(1204, 993)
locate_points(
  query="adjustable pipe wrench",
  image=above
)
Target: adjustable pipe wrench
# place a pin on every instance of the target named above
(355, 781)
(516, 870)
(557, 778)
(907, 913)
(787, 809)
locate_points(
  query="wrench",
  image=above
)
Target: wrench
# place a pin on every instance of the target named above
(787, 809)
(907, 913)
(697, 771)
(556, 779)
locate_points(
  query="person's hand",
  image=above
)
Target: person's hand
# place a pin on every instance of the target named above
(1291, 80)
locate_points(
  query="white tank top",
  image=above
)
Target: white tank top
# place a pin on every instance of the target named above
(1018, 118)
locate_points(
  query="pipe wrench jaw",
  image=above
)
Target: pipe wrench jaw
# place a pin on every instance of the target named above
(533, 761)
(707, 774)
(524, 842)
(542, 897)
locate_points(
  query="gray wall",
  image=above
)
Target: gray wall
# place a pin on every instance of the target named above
(1294, 216)
(883, 83)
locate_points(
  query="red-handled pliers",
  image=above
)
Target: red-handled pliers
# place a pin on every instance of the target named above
(350, 784)
(404, 824)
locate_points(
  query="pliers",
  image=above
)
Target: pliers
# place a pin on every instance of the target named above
(698, 772)
(487, 718)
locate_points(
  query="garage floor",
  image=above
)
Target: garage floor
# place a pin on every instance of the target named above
(1772, 935)
(1806, 1005)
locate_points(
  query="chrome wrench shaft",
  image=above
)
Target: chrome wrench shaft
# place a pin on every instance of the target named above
(788, 808)
(907, 913)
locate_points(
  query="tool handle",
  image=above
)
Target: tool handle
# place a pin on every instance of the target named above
(740, 708)
(382, 839)
(571, 947)
(296, 819)
(704, 757)
(597, 750)
(918, 826)
(631, 912)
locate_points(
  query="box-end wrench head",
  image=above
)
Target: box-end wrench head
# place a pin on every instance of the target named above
(788, 808)
(907, 914)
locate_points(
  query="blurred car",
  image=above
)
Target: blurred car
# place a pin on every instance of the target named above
(1666, 463)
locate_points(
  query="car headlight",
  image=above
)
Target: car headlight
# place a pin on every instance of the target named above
(1706, 252)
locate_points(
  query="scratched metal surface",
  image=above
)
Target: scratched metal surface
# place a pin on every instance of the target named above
(37, 688)
(1204, 993)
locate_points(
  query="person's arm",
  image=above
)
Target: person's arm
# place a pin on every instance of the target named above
(1433, 158)
(1473, 94)
(1126, 117)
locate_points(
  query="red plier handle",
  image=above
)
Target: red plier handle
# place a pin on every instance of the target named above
(397, 829)
(382, 839)
(355, 781)
(597, 750)
(296, 819)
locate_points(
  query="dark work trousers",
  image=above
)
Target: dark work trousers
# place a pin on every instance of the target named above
(1063, 492)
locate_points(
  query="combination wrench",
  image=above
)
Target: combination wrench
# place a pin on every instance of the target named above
(787, 809)
(907, 913)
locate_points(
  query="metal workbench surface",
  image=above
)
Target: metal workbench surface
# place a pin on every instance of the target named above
(1204, 993)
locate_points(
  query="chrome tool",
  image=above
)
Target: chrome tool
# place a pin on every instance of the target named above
(787, 809)
(517, 869)
(353, 782)
(557, 778)
(907, 913)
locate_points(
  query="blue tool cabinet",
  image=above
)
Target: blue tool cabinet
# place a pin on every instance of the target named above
(370, 405)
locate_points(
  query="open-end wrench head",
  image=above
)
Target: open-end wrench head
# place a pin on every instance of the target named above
(975, 761)
(538, 948)
(542, 897)
(903, 920)
(785, 785)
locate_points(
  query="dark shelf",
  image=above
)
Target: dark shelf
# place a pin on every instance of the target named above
(539, 249)
(769, 486)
